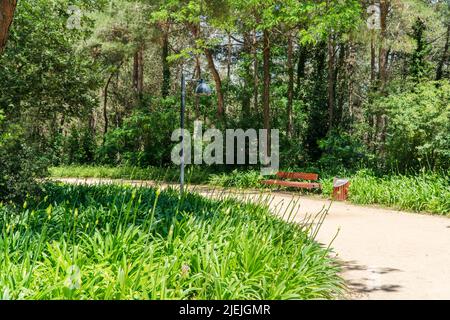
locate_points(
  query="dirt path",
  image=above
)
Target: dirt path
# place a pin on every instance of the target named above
(386, 254)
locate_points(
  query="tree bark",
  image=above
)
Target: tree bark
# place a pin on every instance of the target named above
(372, 55)
(302, 57)
(229, 53)
(339, 78)
(197, 75)
(350, 70)
(331, 81)
(247, 77)
(372, 58)
(266, 84)
(218, 82)
(381, 119)
(165, 64)
(383, 52)
(290, 93)
(105, 100)
(255, 72)
(92, 123)
(444, 59)
(138, 71)
(105, 104)
(7, 9)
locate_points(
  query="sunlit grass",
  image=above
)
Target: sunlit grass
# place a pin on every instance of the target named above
(169, 174)
(423, 192)
(237, 179)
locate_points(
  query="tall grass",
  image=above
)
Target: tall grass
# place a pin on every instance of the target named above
(424, 192)
(169, 174)
(420, 192)
(112, 242)
(237, 179)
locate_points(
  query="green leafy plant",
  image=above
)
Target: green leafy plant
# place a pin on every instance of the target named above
(341, 151)
(112, 242)
(418, 130)
(426, 192)
(20, 166)
(237, 179)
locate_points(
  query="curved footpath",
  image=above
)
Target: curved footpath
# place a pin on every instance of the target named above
(385, 254)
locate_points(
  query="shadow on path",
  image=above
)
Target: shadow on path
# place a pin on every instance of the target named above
(365, 279)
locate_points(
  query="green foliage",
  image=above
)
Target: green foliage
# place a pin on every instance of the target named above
(418, 132)
(106, 242)
(144, 139)
(46, 83)
(42, 73)
(341, 151)
(53, 78)
(19, 165)
(79, 146)
(420, 67)
(316, 95)
(119, 30)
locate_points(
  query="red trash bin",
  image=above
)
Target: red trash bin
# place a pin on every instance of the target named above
(340, 189)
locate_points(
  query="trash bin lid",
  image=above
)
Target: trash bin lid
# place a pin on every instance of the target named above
(340, 182)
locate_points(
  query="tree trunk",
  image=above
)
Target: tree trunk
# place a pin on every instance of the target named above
(339, 88)
(92, 123)
(331, 82)
(165, 64)
(444, 59)
(372, 55)
(255, 72)
(218, 82)
(229, 56)
(302, 57)
(247, 78)
(105, 99)
(195, 30)
(105, 104)
(198, 68)
(266, 85)
(381, 119)
(372, 59)
(138, 71)
(197, 75)
(290, 93)
(383, 52)
(7, 9)
(61, 123)
(350, 70)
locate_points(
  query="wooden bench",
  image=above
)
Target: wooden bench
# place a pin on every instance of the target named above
(295, 184)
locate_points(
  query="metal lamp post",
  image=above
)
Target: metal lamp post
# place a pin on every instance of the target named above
(202, 89)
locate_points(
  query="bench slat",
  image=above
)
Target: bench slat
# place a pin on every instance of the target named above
(304, 185)
(298, 175)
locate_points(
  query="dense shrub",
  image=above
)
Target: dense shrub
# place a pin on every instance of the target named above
(418, 128)
(79, 146)
(144, 139)
(20, 166)
(341, 151)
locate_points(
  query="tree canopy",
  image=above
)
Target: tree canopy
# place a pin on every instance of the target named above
(106, 90)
